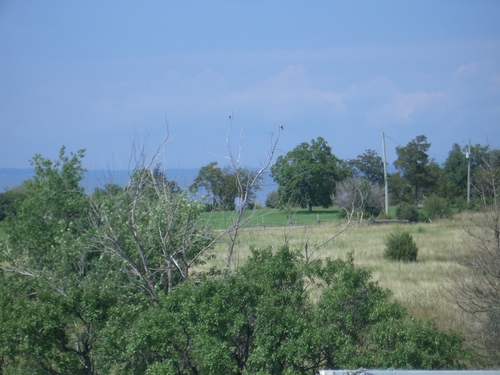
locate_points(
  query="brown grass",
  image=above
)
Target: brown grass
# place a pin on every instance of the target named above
(417, 285)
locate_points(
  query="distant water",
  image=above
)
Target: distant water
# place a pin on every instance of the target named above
(10, 177)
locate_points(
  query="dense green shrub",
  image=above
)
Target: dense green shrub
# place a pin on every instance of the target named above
(436, 207)
(8, 199)
(373, 211)
(406, 211)
(401, 246)
(262, 319)
(422, 217)
(460, 204)
(342, 214)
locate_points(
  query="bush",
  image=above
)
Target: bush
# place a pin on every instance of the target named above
(406, 211)
(342, 214)
(401, 246)
(422, 217)
(272, 200)
(373, 211)
(460, 204)
(254, 205)
(384, 216)
(436, 207)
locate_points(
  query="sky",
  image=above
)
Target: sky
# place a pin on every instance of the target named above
(115, 76)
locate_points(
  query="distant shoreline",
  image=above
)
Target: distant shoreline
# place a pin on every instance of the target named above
(12, 177)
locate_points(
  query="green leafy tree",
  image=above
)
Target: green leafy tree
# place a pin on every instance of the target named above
(413, 163)
(399, 189)
(369, 165)
(224, 186)
(8, 200)
(409, 343)
(307, 175)
(55, 209)
(54, 293)
(263, 318)
(454, 182)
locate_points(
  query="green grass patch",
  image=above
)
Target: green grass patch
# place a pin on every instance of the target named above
(272, 218)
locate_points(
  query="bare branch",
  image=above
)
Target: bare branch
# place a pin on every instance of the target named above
(244, 190)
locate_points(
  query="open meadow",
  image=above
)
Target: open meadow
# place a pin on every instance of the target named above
(417, 285)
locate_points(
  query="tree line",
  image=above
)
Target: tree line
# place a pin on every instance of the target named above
(311, 175)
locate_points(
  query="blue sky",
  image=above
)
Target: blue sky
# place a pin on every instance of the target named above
(99, 74)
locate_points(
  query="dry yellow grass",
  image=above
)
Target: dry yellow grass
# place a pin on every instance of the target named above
(417, 285)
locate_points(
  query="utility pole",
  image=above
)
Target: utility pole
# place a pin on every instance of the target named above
(385, 177)
(468, 156)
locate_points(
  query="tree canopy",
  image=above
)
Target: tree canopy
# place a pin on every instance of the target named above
(224, 185)
(262, 319)
(413, 163)
(369, 165)
(307, 175)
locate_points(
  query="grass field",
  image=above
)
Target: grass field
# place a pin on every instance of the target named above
(418, 285)
(272, 218)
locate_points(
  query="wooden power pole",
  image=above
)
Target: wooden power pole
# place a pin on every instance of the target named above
(385, 177)
(468, 155)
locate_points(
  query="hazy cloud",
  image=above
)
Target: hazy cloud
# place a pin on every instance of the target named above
(285, 94)
(403, 106)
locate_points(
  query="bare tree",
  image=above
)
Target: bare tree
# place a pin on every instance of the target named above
(357, 195)
(352, 195)
(476, 285)
(152, 229)
(245, 185)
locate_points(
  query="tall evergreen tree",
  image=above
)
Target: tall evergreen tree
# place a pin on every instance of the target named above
(413, 164)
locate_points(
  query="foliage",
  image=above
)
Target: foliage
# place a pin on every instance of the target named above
(436, 207)
(399, 190)
(407, 211)
(8, 200)
(104, 284)
(307, 175)
(272, 199)
(453, 184)
(53, 211)
(369, 165)
(415, 344)
(262, 319)
(401, 246)
(413, 163)
(54, 298)
(225, 186)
